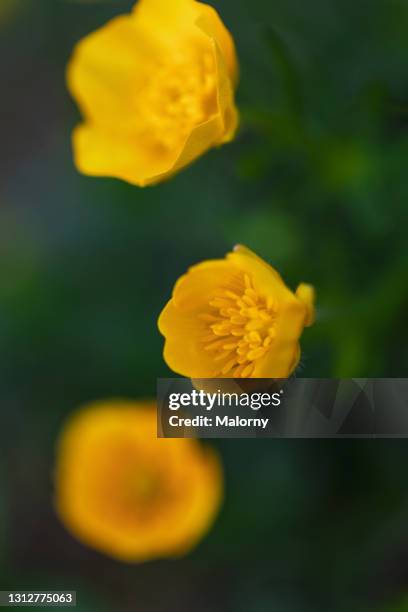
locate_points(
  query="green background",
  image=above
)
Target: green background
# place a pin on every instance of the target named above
(316, 183)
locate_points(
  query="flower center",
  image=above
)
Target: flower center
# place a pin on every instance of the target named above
(179, 95)
(140, 494)
(144, 486)
(240, 328)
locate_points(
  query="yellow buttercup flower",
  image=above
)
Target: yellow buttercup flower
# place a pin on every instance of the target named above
(128, 494)
(156, 89)
(235, 317)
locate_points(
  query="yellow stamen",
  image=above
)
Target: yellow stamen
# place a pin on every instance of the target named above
(240, 327)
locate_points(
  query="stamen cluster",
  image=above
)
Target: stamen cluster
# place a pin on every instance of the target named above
(239, 327)
(179, 96)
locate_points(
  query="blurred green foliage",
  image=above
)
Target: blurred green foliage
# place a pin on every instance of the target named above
(316, 182)
(402, 606)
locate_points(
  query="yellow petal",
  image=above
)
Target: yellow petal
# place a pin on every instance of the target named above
(307, 295)
(284, 354)
(107, 67)
(210, 22)
(265, 278)
(165, 16)
(100, 152)
(225, 99)
(199, 141)
(184, 348)
(193, 290)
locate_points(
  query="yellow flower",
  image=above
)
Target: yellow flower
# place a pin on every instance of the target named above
(156, 88)
(126, 493)
(235, 317)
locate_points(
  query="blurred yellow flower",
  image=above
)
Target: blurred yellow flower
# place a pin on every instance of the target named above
(235, 317)
(128, 494)
(156, 89)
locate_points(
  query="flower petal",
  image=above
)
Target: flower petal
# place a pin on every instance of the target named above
(307, 295)
(284, 355)
(210, 22)
(183, 349)
(100, 152)
(266, 279)
(107, 66)
(193, 290)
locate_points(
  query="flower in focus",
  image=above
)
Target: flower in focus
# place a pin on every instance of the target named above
(156, 89)
(124, 492)
(235, 318)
